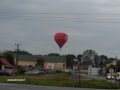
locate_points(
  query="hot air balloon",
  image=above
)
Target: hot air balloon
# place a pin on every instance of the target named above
(60, 38)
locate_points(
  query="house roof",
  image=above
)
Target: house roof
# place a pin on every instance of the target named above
(6, 63)
(54, 59)
(27, 57)
(59, 59)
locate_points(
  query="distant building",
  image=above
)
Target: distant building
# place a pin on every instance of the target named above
(93, 70)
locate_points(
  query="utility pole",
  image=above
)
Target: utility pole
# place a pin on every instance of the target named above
(17, 49)
(116, 65)
(79, 63)
(98, 66)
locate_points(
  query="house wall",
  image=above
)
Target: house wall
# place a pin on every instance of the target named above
(58, 66)
(48, 65)
(26, 63)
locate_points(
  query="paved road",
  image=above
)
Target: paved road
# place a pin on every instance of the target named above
(34, 87)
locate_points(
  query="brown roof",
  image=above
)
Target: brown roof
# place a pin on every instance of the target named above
(6, 63)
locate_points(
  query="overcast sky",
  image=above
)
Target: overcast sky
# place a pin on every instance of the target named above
(90, 24)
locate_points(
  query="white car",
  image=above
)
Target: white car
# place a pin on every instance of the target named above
(109, 76)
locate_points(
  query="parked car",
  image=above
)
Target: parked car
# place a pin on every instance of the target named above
(4, 73)
(35, 72)
(110, 77)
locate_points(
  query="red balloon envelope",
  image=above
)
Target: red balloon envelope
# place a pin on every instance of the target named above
(61, 38)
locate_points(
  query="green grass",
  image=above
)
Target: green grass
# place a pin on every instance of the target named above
(100, 84)
(60, 79)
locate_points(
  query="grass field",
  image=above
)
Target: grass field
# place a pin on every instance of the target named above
(59, 79)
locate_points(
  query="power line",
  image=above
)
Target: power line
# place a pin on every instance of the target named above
(43, 17)
(61, 13)
(60, 19)
(57, 20)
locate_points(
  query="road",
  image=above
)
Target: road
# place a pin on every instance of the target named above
(34, 87)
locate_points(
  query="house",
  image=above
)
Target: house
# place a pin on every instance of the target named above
(5, 65)
(112, 63)
(50, 62)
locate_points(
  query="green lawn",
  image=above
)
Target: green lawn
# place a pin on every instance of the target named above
(60, 79)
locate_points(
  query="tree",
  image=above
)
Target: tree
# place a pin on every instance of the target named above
(118, 66)
(90, 54)
(103, 57)
(53, 54)
(79, 57)
(69, 60)
(9, 57)
(89, 57)
(109, 60)
(22, 52)
(40, 63)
